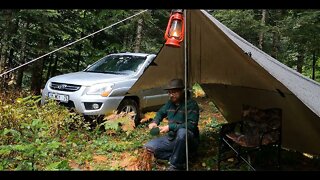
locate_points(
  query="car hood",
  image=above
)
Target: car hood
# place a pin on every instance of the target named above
(88, 78)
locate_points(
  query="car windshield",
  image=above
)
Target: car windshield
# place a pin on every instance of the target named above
(117, 64)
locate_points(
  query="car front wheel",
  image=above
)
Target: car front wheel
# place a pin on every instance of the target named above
(130, 105)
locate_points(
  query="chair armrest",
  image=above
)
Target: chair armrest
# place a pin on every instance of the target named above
(229, 127)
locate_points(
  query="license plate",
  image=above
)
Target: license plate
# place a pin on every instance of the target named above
(59, 97)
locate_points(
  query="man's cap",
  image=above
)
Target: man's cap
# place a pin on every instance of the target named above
(175, 84)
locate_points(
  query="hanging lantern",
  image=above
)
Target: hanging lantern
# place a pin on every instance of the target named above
(175, 30)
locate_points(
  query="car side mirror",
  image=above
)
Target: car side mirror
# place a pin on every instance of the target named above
(153, 64)
(87, 67)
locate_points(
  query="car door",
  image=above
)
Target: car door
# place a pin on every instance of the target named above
(153, 97)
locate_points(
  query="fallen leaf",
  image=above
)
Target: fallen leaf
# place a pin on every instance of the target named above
(73, 164)
(99, 158)
(87, 166)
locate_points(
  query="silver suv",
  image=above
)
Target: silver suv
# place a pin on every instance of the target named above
(101, 88)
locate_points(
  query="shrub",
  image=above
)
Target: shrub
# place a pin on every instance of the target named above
(32, 136)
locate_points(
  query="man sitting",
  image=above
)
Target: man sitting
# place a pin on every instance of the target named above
(172, 146)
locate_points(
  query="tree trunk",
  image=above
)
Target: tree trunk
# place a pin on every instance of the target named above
(7, 16)
(37, 68)
(80, 47)
(263, 23)
(8, 50)
(79, 54)
(49, 68)
(125, 42)
(36, 76)
(276, 36)
(300, 59)
(10, 59)
(23, 57)
(11, 81)
(1, 48)
(19, 78)
(54, 69)
(138, 36)
(314, 62)
(275, 47)
(79, 58)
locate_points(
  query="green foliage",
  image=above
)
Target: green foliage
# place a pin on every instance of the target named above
(197, 90)
(288, 34)
(31, 137)
(118, 123)
(60, 165)
(27, 34)
(115, 146)
(214, 124)
(213, 107)
(48, 137)
(112, 125)
(243, 22)
(31, 33)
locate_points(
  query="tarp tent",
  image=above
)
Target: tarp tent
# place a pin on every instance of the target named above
(234, 72)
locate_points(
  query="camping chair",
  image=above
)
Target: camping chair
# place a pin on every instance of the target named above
(256, 130)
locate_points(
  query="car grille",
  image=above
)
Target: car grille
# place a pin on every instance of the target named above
(64, 87)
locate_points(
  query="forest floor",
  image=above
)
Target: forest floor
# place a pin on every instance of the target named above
(206, 159)
(41, 138)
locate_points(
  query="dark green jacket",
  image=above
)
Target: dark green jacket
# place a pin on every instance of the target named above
(176, 116)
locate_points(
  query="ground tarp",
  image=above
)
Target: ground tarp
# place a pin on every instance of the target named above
(233, 73)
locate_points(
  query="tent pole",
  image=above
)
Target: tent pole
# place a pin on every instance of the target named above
(185, 87)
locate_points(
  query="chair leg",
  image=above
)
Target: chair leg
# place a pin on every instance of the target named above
(219, 161)
(249, 161)
(219, 153)
(279, 157)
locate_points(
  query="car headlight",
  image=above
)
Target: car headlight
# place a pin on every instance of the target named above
(103, 89)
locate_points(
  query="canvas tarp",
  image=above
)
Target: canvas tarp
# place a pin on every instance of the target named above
(233, 73)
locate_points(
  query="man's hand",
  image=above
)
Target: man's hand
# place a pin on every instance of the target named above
(164, 129)
(152, 125)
